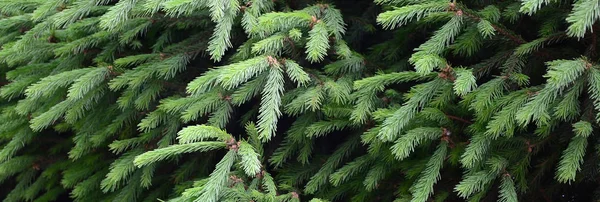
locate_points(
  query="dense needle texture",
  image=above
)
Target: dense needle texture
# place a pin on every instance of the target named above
(299, 100)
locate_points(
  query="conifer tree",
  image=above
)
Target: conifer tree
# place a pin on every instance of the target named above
(299, 100)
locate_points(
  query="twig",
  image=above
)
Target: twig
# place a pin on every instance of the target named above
(316, 78)
(459, 119)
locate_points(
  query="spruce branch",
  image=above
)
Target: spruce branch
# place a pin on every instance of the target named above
(508, 34)
(269, 111)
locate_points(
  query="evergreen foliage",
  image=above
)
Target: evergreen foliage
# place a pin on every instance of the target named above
(299, 100)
